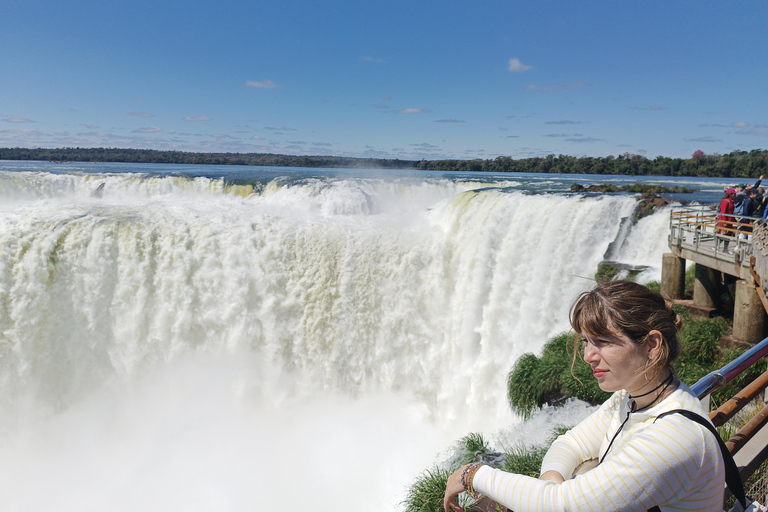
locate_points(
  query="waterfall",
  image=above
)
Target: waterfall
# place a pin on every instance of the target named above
(212, 339)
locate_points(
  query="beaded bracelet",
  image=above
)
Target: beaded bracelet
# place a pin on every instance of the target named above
(466, 479)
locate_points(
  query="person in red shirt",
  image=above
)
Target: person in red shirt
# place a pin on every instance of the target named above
(725, 219)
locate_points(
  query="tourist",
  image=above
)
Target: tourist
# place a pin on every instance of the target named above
(742, 193)
(630, 340)
(725, 220)
(750, 205)
(762, 200)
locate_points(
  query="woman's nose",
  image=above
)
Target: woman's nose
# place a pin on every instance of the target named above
(590, 354)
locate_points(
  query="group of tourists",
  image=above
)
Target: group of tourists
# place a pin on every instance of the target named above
(739, 208)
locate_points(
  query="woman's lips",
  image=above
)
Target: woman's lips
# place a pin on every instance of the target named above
(599, 373)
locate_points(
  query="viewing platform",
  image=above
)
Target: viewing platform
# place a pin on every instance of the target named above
(733, 256)
(733, 253)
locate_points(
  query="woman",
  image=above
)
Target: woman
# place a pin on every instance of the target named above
(629, 336)
(725, 219)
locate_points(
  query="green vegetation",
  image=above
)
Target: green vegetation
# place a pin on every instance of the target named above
(606, 272)
(536, 381)
(741, 164)
(737, 164)
(636, 188)
(151, 156)
(426, 493)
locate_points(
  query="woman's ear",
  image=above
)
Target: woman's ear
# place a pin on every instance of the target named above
(653, 343)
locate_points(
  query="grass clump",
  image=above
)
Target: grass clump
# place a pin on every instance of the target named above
(606, 272)
(535, 381)
(525, 460)
(427, 492)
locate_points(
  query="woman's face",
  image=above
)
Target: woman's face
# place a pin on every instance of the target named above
(617, 362)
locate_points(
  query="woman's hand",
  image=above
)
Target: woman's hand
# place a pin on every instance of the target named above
(552, 476)
(452, 489)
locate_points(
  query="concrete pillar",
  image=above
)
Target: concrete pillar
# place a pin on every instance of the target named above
(748, 314)
(706, 287)
(672, 276)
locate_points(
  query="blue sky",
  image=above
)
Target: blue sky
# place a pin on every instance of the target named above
(399, 79)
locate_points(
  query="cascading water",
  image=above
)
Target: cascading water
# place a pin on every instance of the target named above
(168, 341)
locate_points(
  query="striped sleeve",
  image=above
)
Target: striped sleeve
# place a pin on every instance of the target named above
(671, 463)
(583, 441)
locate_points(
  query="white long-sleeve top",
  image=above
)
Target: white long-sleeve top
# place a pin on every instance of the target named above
(674, 463)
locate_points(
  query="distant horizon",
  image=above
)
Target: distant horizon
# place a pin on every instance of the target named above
(430, 80)
(291, 155)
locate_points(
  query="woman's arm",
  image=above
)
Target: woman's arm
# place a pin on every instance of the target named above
(580, 443)
(669, 461)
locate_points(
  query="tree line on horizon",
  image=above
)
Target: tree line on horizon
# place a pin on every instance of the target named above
(736, 164)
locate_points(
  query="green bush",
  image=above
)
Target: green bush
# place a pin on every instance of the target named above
(535, 381)
(605, 273)
(427, 492)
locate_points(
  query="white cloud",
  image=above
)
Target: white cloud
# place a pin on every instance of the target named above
(197, 118)
(556, 87)
(518, 67)
(564, 121)
(450, 120)
(412, 110)
(22, 131)
(286, 128)
(368, 58)
(584, 139)
(18, 120)
(754, 131)
(740, 124)
(140, 114)
(148, 129)
(704, 139)
(256, 137)
(266, 84)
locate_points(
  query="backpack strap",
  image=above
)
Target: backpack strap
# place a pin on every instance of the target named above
(732, 476)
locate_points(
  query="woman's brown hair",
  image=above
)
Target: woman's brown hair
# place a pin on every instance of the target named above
(624, 307)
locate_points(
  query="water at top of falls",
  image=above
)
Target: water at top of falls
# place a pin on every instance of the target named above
(210, 338)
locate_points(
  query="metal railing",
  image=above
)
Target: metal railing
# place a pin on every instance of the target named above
(697, 228)
(727, 373)
(755, 456)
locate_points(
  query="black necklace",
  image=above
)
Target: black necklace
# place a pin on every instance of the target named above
(633, 399)
(633, 404)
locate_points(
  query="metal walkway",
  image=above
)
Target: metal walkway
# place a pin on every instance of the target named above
(738, 247)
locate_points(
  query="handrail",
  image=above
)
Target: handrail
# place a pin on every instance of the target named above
(725, 237)
(727, 373)
(734, 404)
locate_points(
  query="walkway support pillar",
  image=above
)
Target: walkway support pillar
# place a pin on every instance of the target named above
(749, 318)
(672, 276)
(706, 287)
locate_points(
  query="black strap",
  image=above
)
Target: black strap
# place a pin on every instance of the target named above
(732, 476)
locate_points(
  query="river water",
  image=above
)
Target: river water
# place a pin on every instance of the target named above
(244, 338)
